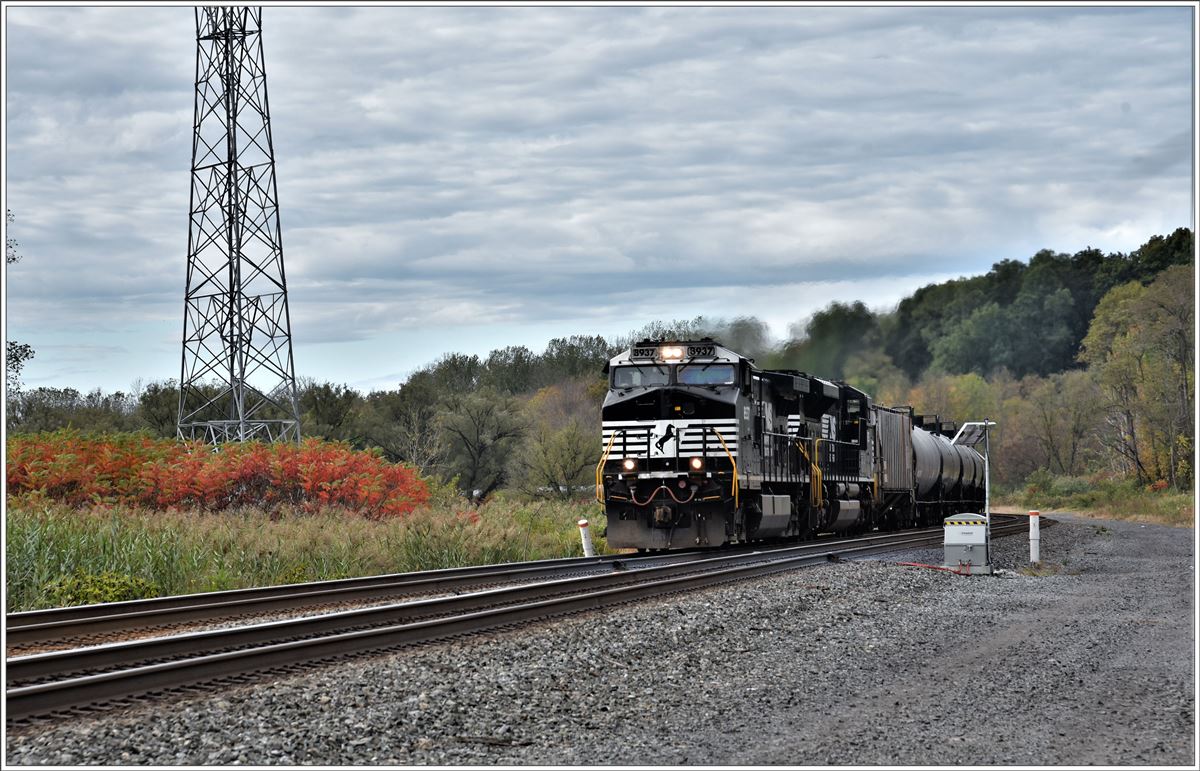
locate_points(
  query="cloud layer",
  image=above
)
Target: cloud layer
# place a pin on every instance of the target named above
(497, 175)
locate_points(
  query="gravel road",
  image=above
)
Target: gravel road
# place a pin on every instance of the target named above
(861, 662)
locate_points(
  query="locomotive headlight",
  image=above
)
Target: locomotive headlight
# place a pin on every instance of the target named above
(671, 352)
(630, 464)
(697, 463)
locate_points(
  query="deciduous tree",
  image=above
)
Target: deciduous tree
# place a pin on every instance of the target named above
(482, 430)
(1139, 346)
(326, 408)
(561, 445)
(404, 424)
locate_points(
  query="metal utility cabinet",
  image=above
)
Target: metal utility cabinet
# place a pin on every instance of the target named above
(966, 544)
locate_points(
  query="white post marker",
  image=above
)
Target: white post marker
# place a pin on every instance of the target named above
(1035, 537)
(586, 537)
(987, 488)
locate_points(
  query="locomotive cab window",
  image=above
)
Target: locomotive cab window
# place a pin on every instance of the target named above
(706, 374)
(644, 375)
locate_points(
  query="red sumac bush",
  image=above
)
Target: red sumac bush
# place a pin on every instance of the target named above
(131, 469)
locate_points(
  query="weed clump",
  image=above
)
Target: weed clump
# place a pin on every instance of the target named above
(82, 588)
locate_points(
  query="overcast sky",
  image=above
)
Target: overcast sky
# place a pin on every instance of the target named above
(467, 178)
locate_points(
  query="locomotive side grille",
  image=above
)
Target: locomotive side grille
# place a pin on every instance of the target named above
(828, 426)
(633, 440)
(695, 439)
(692, 436)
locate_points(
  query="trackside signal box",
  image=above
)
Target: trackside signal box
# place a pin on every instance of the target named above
(965, 545)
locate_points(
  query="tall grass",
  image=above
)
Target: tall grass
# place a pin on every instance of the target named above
(180, 552)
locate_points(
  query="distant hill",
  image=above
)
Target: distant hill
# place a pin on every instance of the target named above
(1028, 318)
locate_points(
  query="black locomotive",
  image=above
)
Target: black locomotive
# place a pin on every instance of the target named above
(702, 448)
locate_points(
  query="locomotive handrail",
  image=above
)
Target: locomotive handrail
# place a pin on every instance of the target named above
(732, 460)
(840, 457)
(782, 466)
(820, 473)
(600, 465)
(816, 484)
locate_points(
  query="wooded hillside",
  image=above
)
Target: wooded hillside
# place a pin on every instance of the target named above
(1085, 360)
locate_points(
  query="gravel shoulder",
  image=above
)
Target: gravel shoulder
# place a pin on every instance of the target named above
(856, 663)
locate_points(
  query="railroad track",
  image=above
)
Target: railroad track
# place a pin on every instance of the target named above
(101, 623)
(102, 676)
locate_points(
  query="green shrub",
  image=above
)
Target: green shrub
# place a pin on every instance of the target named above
(1106, 496)
(82, 588)
(1039, 482)
(1065, 487)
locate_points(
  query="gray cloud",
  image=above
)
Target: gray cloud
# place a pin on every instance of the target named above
(549, 171)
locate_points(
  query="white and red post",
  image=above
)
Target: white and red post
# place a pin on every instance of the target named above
(586, 537)
(1035, 537)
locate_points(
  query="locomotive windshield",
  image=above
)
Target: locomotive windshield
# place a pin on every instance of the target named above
(644, 375)
(706, 374)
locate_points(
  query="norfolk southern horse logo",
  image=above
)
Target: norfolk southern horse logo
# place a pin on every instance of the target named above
(668, 436)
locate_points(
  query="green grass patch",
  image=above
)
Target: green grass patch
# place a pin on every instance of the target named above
(57, 555)
(1104, 497)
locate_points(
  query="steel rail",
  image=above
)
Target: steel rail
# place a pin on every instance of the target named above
(40, 626)
(28, 617)
(469, 614)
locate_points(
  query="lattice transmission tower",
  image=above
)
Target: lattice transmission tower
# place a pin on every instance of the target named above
(237, 380)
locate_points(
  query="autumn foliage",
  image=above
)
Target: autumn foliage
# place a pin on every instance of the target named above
(137, 470)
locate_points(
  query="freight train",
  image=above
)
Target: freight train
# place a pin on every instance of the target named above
(702, 448)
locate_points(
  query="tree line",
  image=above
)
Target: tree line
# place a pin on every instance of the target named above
(1084, 360)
